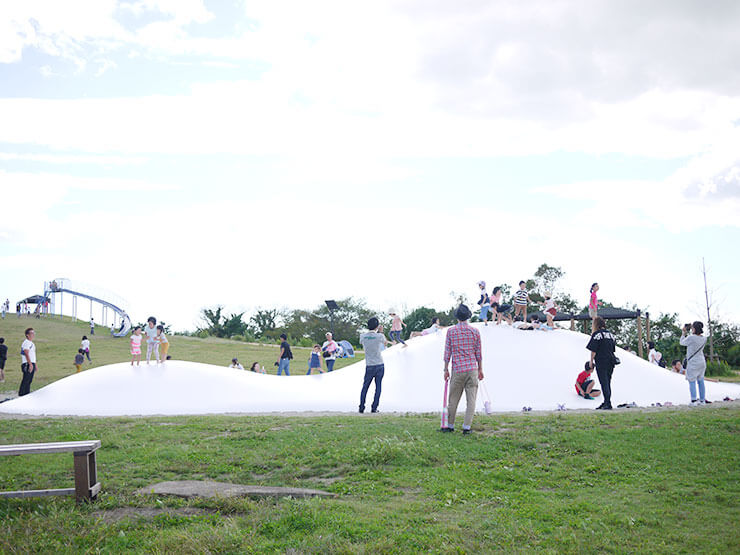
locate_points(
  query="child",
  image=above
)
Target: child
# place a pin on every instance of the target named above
(151, 339)
(85, 346)
(92, 326)
(585, 385)
(484, 302)
(314, 362)
(164, 344)
(593, 306)
(434, 328)
(655, 356)
(500, 311)
(521, 298)
(235, 364)
(396, 328)
(550, 309)
(136, 346)
(79, 360)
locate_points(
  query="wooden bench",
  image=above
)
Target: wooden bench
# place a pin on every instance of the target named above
(86, 487)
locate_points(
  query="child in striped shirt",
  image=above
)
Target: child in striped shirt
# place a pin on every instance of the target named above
(521, 298)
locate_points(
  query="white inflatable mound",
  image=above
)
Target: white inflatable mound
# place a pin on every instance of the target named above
(522, 368)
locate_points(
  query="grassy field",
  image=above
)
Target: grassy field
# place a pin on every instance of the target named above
(57, 342)
(653, 482)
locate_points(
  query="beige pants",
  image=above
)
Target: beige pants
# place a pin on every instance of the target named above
(467, 381)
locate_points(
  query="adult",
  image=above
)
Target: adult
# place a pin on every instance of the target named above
(28, 362)
(4, 308)
(373, 341)
(18, 310)
(463, 348)
(696, 364)
(286, 354)
(329, 348)
(654, 356)
(3, 358)
(92, 326)
(602, 346)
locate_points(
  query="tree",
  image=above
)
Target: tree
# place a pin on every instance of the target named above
(546, 277)
(219, 325)
(263, 321)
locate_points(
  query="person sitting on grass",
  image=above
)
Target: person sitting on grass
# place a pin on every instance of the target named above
(585, 385)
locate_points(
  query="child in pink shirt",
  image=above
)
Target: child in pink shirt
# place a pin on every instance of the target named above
(396, 328)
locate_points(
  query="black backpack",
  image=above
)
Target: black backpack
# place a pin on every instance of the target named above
(661, 362)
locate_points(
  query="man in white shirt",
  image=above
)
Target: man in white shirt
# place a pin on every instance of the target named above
(28, 362)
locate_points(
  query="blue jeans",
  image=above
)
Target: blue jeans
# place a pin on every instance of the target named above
(330, 364)
(396, 336)
(284, 365)
(374, 372)
(484, 313)
(692, 389)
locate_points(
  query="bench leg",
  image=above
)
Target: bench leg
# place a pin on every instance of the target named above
(86, 476)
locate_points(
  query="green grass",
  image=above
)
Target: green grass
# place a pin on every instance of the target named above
(652, 482)
(57, 342)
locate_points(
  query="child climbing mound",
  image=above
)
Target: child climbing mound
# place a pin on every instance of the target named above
(585, 385)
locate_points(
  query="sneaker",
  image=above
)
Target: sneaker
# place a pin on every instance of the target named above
(604, 407)
(362, 411)
(467, 432)
(694, 402)
(374, 410)
(447, 430)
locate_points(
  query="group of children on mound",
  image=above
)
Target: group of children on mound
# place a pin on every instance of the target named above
(156, 342)
(501, 312)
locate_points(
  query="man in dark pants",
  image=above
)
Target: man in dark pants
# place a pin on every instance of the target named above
(3, 358)
(28, 362)
(373, 343)
(602, 345)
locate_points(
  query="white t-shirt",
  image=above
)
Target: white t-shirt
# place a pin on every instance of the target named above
(31, 348)
(85, 344)
(654, 356)
(151, 334)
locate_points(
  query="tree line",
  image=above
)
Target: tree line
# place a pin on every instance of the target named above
(306, 327)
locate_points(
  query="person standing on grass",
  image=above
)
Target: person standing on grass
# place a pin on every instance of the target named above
(28, 362)
(602, 346)
(330, 346)
(373, 341)
(3, 358)
(463, 348)
(85, 346)
(696, 364)
(79, 360)
(314, 361)
(286, 354)
(92, 326)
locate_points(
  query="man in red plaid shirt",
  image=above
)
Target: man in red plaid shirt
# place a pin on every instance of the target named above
(462, 345)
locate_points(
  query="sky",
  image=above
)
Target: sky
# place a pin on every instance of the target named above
(183, 154)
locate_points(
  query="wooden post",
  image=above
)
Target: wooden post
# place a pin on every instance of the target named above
(639, 335)
(572, 325)
(647, 325)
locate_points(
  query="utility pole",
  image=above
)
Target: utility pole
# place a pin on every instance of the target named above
(709, 318)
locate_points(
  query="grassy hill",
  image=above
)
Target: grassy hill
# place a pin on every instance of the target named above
(57, 341)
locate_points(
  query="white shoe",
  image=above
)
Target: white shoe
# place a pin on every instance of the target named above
(695, 403)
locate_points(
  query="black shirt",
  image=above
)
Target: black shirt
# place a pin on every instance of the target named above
(287, 353)
(602, 343)
(3, 351)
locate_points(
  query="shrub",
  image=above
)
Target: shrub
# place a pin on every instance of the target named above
(720, 368)
(733, 356)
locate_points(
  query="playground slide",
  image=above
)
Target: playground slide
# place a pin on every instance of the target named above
(122, 332)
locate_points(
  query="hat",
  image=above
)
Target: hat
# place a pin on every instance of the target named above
(482, 284)
(548, 293)
(392, 311)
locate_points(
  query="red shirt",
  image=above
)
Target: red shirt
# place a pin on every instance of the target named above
(582, 377)
(462, 345)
